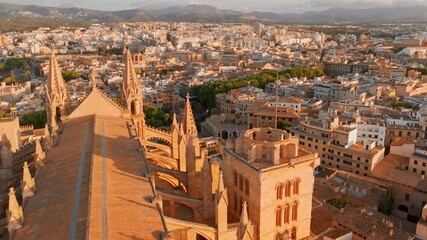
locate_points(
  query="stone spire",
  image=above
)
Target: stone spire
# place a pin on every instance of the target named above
(174, 122)
(131, 87)
(92, 79)
(57, 99)
(175, 137)
(190, 155)
(15, 215)
(28, 184)
(221, 188)
(245, 229)
(221, 205)
(188, 121)
(39, 154)
(6, 152)
(181, 130)
(48, 142)
(182, 146)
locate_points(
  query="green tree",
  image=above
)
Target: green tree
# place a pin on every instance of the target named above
(206, 93)
(283, 125)
(37, 119)
(338, 203)
(156, 117)
(386, 202)
(399, 105)
(69, 75)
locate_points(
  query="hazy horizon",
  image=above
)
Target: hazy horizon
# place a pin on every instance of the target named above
(278, 6)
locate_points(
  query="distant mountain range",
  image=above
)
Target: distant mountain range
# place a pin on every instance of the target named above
(21, 17)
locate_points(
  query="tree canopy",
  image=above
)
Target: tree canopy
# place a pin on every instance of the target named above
(206, 93)
(423, 70)
(156, 117)
(386, 203)
(69, 75)
(37, 119)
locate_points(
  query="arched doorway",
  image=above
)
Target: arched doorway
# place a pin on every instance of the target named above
(403, 208)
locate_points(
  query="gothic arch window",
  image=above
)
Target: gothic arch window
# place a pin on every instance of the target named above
(295, 211)
(288, 189)
(279, 191)
(286, 214)
(294, 233)
(278, 216)
(296, 186)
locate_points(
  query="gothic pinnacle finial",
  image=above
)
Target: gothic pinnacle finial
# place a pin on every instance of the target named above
(221, 186)
(28, 185)
(15, 215)
(244, 219)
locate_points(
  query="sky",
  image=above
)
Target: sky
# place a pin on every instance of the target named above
(279, 6)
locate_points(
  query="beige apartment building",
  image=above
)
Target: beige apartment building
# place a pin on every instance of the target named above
(337, 145)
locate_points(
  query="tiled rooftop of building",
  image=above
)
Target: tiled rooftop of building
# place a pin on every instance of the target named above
(400, 141)
(72, 190)
(366, 225)
(388, 169)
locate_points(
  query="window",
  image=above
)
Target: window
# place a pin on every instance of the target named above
(279, 191)
(288, 189)
(296, 186)
(286, 213)
(247, 187)
(415, 162)
(407, 196)
(424, 164)
(278, 216)
(295, 211)
(294, 233)
(423, 172)
(366, 168)
(414, 170)
(235, 178)
(240, 183)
